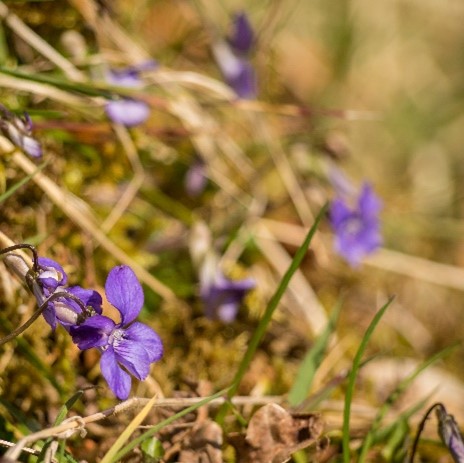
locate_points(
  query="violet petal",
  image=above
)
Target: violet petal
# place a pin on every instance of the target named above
(93, 332)
(50, 316)
(242, 36)
(89, 298)
(244, 81)
(128, 112)
(58, 276)
(357, 229)
(151, 342)
(31, 146)
(339, 212)
(227, 312)
(118, 380)
(369, 204)
(133, 356)
(124, 292)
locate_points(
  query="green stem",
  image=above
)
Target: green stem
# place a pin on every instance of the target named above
(352, 381)
(271, 307)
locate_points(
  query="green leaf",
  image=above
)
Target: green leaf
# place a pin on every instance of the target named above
(394, 396)
(63, 413)
(153, 449)
(271, 307)
(311, 362)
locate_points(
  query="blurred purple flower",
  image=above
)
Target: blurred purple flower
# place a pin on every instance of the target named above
(222, 296)
(128, 111)
(128, 344)
(242, 37)
(244, 80)
(238, 72)
(357, 230)
(195, 179)
(232, 58)
(450, 434)
(19, 131)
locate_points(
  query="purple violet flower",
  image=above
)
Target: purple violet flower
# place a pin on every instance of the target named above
(195, 179)
(127, 345)
(66, 311)
(19, 131)
(127, 111)
(242, 37)
(222, 296)
(357, 230)
(51, 275)
(450, 434)
(244, 80)
(238, 72)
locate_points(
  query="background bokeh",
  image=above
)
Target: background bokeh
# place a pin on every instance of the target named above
(374, 90)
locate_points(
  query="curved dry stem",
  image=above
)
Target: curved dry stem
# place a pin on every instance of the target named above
(420, 428)
(35, 258)
(39, 311)
(26, 325)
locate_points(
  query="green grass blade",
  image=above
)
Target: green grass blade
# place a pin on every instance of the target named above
(352, 380)
(62, 414)
(86, 89)
(311, 362)
(393, 431)
(394, 396)
(23, 422)
(102, 89)
(273, 303)
(152, 431)
(265, 320)
(19, 184)
(396, 439)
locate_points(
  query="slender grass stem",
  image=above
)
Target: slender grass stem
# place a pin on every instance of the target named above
(271, 307)
(352, 380)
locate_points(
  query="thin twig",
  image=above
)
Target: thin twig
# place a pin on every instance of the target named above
(38, 312)
(79, 423)
(420, 428)
(6, 444)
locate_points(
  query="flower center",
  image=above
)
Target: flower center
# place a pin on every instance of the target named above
(116, 336)
(353, 225)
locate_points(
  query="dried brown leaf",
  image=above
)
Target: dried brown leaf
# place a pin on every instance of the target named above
(203, 445)
(273, 434)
